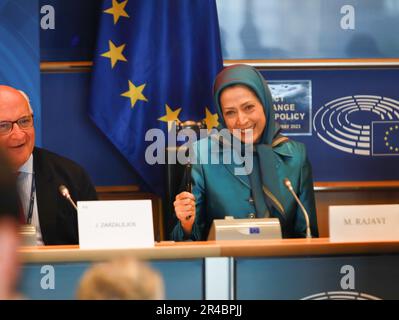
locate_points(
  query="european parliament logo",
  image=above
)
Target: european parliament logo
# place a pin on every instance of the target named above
(341, 295)
(364, 125)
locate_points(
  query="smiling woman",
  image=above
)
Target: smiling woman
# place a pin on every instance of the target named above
(243, 111)
(244, 105)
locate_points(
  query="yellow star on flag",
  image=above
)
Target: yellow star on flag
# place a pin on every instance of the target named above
(170, 115)
(118, 10)
(114, 53)
(211, 120)
(135, 93)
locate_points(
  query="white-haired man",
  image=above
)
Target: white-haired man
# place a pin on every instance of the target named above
(40, 173)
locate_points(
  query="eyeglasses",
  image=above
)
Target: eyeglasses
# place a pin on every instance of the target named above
(24, 123)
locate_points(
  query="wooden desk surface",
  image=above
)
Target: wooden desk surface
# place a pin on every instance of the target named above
(189, 250)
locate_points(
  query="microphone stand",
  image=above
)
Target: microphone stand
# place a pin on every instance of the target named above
(288, 184)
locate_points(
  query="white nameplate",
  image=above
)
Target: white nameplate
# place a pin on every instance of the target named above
(364, 223)
(115, 224)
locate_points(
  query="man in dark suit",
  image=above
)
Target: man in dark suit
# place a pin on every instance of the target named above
(40, 173)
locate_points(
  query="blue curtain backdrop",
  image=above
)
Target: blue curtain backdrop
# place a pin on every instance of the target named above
(155, 61)
(20, 51)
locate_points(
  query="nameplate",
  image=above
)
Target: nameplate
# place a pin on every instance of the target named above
(364, 223)
(115, 224)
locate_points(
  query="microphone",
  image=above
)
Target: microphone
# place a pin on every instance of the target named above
(65, 193)
(288, 184)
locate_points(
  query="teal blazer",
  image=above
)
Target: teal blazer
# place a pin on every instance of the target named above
(219, 192)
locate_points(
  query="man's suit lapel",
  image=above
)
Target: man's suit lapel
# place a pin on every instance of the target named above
(46, 194)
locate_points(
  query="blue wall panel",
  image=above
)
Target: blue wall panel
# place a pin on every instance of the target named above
(340, 277)
(68, 131)
(183, 279)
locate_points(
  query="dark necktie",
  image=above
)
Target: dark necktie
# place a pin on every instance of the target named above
(21, 214)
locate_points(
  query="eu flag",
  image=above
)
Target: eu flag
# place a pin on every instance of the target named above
(385, 138)
(155, 62)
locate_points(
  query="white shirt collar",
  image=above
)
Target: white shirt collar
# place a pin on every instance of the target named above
(27, 167)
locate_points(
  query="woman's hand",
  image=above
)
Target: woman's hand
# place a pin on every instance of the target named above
(185, 210)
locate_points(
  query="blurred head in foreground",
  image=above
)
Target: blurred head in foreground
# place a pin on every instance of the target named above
(121, 279)
(9, 237)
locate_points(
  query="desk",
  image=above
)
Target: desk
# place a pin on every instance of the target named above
(269, 269)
